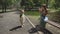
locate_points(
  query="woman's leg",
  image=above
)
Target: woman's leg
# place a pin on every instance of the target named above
(42, 22)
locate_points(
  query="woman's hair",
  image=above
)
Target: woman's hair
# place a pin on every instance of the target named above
(45, 7)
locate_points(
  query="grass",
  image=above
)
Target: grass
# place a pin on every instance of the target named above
(32, 13)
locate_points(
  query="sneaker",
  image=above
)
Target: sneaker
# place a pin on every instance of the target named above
(22, 25)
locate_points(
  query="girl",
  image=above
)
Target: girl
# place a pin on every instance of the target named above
(22, 18)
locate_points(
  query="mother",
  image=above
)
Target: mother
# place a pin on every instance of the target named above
(44, 12)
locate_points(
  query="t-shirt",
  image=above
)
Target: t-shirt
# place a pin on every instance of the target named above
(21, 13)
(44, 12)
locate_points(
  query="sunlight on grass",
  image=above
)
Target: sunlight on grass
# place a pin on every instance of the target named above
(32, 13)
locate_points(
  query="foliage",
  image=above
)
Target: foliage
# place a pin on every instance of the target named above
(57, 3)
(54, 3)
(30, 3)
(37, 3)
(55, 16)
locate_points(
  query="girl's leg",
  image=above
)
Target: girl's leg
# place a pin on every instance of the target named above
(22, 20)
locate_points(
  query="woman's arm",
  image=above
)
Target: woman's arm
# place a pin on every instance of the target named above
(40, 10)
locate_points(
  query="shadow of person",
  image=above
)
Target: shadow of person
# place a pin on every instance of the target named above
(39, 28)
(42, 29)
(15, 28)
(32, 31)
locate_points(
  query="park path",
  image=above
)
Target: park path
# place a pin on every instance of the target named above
(11, 19)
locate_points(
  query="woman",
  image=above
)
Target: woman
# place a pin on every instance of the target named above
(44, 12)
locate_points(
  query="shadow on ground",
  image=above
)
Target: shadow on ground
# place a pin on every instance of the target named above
(39, 28)
(15, 28)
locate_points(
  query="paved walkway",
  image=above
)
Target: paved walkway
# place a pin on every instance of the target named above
(11, 19)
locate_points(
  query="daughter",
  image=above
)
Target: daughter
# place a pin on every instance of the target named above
(22, 18)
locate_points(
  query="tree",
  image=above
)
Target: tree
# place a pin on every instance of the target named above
(37, 3)
(57, 3)
(8, 3)
(4, 4)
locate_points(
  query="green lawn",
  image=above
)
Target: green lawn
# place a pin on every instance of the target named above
(32, 13)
